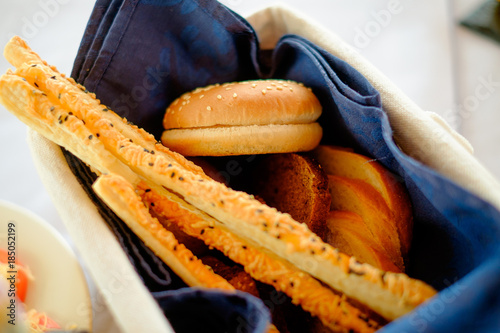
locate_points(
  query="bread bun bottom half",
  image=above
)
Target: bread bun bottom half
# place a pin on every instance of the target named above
(243, 140)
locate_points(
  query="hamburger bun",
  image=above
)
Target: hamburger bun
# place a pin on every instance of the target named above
(242, 118)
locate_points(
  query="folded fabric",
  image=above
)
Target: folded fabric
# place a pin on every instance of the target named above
(139, 55)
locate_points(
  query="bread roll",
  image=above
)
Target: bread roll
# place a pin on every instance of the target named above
(241, 118)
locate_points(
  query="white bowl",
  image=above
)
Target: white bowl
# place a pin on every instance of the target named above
(59, 288)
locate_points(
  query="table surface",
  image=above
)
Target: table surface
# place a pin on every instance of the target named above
(420, 46)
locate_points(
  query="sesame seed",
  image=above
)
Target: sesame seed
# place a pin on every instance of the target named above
(291, 89)
(263, 91)
(219, 97)
(279, 88)
(254, 85)
(269, 87)
(209, 108)
(228, 88)
(235, 95)
(201, 96)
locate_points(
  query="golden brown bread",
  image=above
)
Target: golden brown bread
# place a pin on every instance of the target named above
(343, 162)
(357, 196)
(243, 140)
(233, 273)
(348, 232)
(257, 102)
(243, 118)
(121, 197)
(294, 184)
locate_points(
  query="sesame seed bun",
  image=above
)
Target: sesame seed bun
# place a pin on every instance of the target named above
(238, 118)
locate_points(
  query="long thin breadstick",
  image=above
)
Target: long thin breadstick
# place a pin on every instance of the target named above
(59, 125)
(389, 294)
(120, 196)
(30, 66)
(333, 310)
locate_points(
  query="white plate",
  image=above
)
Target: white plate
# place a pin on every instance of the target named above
(59, 287)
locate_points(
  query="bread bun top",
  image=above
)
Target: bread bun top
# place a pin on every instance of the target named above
(258, 102)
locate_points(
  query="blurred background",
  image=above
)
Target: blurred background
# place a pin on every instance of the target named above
(420, 45)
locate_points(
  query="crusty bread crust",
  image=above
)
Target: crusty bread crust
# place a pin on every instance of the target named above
(341, 162)
(243, 140)
(294, 184)
(258, 102)
(348, 232)
(355, 195)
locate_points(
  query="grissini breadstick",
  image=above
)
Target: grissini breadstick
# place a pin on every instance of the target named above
(33, 107)
(333, 311)
(391, 295)
(20, 55)
(120, 196)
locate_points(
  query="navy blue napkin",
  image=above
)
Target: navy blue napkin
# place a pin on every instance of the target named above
(139, 55)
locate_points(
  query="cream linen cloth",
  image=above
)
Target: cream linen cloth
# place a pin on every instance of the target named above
(422, 135)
